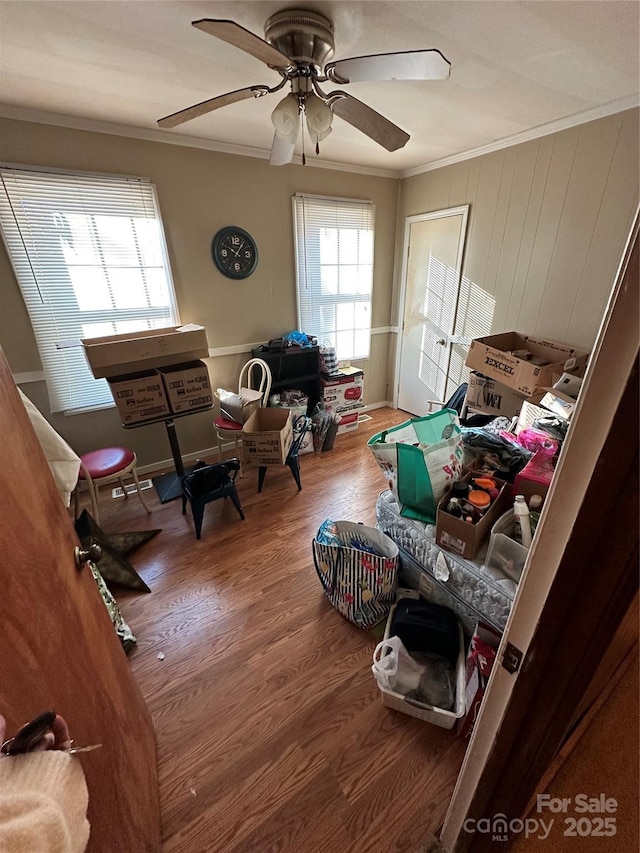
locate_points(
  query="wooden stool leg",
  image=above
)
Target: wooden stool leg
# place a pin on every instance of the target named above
(93, 492)
(134, 474)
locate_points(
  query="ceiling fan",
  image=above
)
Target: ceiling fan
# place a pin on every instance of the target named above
(298, 44)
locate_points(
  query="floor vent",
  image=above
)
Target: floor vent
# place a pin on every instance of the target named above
(363, 417)
(131, 487)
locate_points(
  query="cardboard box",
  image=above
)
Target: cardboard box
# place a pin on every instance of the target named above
(117, 355)
(187, 386)
(559, 404)
(480, 661)
(343, 390)
(569, 385)
(267, 437)
(139, 397)
(420, 710)
(491, 357)
(348, 423)
(489, 397)
(459, 536)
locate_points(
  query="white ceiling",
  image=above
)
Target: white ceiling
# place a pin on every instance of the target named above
(516, 67)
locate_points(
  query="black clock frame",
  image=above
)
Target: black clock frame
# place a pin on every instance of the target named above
(216, 246)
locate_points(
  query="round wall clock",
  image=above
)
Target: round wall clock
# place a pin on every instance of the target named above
(234, 252)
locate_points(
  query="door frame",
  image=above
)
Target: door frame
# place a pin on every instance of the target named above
(463, 210)
(578, 575)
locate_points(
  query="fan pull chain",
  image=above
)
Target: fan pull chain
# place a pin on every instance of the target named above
(302, 123)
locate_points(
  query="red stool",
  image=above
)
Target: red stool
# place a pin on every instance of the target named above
(108, 465)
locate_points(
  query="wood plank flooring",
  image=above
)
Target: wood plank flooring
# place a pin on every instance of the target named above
(271, 732)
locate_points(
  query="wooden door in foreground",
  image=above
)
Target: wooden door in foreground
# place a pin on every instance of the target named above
(59, 648)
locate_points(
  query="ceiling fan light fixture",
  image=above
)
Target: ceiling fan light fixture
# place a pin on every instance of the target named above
(319, 118)
(286, 118)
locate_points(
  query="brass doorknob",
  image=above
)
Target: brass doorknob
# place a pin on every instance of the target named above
(82, 556)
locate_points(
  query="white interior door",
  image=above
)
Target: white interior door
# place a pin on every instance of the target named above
(434, 245)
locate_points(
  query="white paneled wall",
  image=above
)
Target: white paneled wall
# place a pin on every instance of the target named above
(548, 222)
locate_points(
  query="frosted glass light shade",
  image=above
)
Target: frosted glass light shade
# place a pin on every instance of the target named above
(286, 118)
(319, 118)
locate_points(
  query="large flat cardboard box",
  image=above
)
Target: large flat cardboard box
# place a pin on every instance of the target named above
(267, 437)
(139, 397)
(459, 536)
(133, 352)
(492, 356)
(187, 386)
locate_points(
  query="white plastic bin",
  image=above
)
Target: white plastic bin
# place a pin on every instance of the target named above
(504, 553)
(420, 710)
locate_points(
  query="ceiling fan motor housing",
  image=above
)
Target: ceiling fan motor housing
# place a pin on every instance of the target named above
(305, 37)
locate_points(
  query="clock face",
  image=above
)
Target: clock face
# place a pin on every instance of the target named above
(234, 252)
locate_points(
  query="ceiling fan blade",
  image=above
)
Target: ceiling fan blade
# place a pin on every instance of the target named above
(212, 104)
(406, 65)
(236, 35)
(371, 123)
(281, 151)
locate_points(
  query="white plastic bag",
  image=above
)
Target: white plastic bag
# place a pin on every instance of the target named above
(394, 668)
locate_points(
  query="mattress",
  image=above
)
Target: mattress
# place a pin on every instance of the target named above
(473, 591)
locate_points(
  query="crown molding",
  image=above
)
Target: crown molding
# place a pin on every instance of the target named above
(169, 138)
(617, 106)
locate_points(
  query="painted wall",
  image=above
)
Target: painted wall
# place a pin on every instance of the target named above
(199, 192)
(548, 220)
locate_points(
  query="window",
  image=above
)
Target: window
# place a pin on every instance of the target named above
(334, 271)
(89, 255)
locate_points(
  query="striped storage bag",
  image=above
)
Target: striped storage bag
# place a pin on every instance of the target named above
(358, 570)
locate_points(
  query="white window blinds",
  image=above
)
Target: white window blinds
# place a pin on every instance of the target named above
(90, 259)
(334, 271)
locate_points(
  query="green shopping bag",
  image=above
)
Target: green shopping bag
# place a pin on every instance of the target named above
(419, 458)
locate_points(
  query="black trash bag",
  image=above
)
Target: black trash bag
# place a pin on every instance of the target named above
(507, 457)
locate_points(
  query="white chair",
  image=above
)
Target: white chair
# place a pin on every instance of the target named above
(255, 370)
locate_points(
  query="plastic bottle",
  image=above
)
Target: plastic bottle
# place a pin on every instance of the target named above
(535, 503)
(454, 508)
(522, 526)
(460, 490)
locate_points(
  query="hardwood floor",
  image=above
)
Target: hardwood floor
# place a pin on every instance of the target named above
(271, 732)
